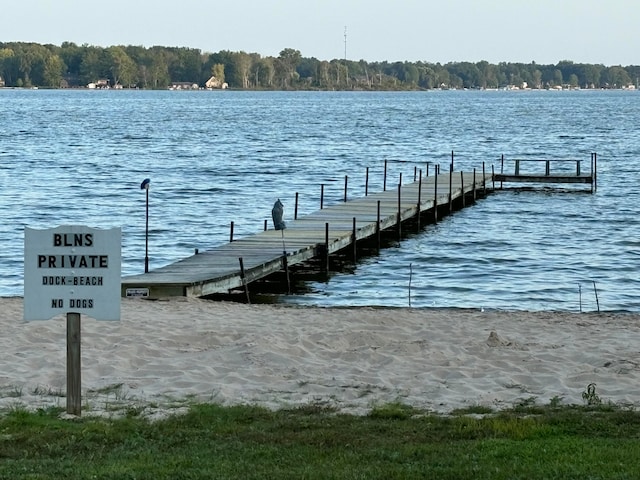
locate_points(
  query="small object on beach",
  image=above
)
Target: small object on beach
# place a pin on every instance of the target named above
(277, 213)
(495, 341)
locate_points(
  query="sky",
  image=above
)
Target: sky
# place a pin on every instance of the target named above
(541, 31)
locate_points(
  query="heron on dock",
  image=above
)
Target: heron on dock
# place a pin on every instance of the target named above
(277, 213)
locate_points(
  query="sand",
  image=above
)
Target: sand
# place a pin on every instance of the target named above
(164, 354)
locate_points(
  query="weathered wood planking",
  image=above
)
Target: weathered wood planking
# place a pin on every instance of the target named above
(218, 270)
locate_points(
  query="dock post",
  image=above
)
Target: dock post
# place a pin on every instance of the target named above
(265, 225)
(326, 246)
(244, 280)
(577, 168)
(321, 195)
(493, 179)
(474, 185)
(366, 183)
(484, 180)
(462, 194)
(517, 170)
(451, 189)
(501, 168)
(346, 179)
(594, 172)
(285, 264)
(419, 199)
(378, 228)
(547, 168)
(451, 167)
(354, 241)
(435, 199)
(384, 179)
(399, 210)
(231, 233)
(415, 173)
(428, 168)
(295, 211)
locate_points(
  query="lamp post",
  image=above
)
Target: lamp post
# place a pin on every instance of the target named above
(145, 186)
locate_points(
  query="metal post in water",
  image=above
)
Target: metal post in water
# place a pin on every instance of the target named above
(231, 233)
(384, 180)
(366, 183)
(295, 211)
(321, 195)
(346, 179)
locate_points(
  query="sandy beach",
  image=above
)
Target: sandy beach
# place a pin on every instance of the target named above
(166, 353)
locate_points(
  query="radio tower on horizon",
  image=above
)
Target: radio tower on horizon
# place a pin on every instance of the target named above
(345, 43)
(345, 56)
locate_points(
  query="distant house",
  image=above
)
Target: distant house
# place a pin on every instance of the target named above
(184, 86)
(213, 82)
(100, 84)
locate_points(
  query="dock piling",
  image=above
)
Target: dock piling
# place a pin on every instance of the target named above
(354, 241)
(243, 279)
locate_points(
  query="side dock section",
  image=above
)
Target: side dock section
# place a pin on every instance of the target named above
(313, 237)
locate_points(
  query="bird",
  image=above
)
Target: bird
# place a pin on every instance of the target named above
(277, 213)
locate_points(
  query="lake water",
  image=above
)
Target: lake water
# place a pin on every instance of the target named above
(78, 157)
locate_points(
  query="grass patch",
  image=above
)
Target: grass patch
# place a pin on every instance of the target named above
(315, 442)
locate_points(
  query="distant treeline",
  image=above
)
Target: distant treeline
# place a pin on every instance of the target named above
(70, 65)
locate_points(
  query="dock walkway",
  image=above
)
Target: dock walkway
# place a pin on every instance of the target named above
(564, 171)
(320, 234)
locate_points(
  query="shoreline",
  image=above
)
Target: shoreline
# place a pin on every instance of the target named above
(165, 354)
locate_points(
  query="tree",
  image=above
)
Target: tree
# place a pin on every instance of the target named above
(93, 66)
(286, 65)
(557, 77)
(8, 66)
(217, 70)
(616, 77)
(123, 69)
(53, 71)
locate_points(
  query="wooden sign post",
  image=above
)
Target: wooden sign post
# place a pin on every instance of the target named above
(72, 270)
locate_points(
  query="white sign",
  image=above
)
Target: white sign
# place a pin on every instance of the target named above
(137, 292)
(72, 268)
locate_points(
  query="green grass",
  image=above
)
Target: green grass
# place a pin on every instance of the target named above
(393, 442)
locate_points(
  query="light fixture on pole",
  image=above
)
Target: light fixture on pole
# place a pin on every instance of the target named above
(145, 186)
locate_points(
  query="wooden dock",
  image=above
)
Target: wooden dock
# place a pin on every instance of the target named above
(563, 171)
(313, 237)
